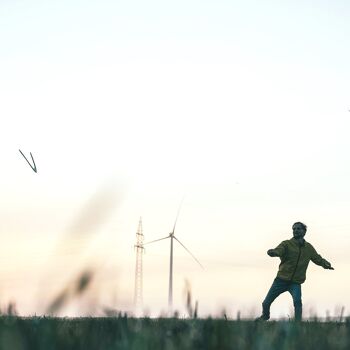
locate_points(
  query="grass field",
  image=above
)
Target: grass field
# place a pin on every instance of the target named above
(123, 332)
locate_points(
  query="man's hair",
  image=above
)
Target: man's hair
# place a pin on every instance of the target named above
(300, 223)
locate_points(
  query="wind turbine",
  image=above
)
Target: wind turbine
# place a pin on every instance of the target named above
(172, 237)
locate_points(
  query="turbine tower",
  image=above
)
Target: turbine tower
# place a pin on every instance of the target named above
(172, 237)
(138, 269)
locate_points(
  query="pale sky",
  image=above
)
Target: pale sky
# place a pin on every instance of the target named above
(128, 106)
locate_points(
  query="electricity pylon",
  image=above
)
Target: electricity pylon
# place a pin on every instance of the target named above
(138, 293)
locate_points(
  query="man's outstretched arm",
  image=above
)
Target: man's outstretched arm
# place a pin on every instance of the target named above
(318, 260)
(278, 251)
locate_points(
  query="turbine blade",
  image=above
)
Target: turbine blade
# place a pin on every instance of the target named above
(190, 254)
(178, 212)
(156, 240)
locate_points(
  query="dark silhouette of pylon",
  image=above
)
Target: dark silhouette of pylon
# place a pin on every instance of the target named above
(138, 294)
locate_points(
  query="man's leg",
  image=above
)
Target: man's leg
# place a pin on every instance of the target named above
(278, 287)
(295, 291)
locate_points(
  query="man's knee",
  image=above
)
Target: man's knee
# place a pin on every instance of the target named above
(298, 303)
(266, 304)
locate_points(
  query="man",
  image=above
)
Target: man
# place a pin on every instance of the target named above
(295, 255)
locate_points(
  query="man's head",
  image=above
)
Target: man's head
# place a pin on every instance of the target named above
(299, 230)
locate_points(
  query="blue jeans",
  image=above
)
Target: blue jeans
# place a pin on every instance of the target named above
(278, 287)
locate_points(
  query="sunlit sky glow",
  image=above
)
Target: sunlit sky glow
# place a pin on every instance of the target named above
(240, 107)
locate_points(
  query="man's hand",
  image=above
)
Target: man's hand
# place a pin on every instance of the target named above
(271, 253)
(328, 266)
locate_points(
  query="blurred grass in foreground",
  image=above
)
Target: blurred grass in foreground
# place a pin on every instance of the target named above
(122, 332)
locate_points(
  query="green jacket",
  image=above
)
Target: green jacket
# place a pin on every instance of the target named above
(295, 259)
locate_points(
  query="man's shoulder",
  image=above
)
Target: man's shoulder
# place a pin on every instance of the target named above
(292, 242)
(286, 242)
(309, 245)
